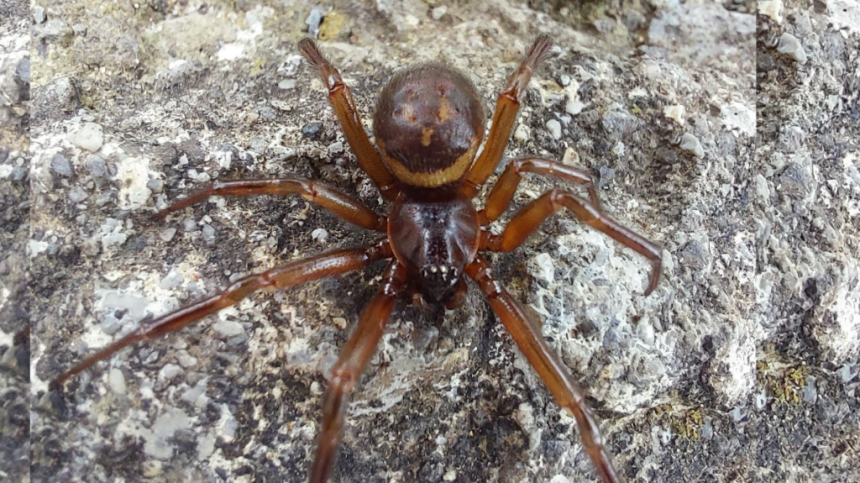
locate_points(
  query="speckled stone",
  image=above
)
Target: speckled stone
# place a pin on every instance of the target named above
(687, 378)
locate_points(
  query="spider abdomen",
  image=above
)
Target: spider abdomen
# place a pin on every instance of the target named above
(428, 124)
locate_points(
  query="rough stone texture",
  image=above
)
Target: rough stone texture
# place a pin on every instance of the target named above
(14, 232)
(185, 93)
(807, 211)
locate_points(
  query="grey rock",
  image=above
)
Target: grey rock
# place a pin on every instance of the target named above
(618, 123)
(155, 185)
(691, 143)
(229, 328)
(61, 165)
(312, 130)
(167, 234)
(335, 148)
(22, 71)
(53, 30)
(77, 194)
(209, 234)
(730, 281)
(789, 45)
(313, 21)
(172, 280)
(54, 99)
(96, 165)
(88, 136)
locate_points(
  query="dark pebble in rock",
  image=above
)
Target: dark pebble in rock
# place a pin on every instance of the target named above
(61, 165)
(312, 130)
(96, 165)
(18, 174)
(77, 194)
(606, 175)
(155, 185)
(22, 71)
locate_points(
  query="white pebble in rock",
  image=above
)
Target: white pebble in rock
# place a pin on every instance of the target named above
(167, 234)
(439, 12)
(522, 134)
(320, 235)
(772, 8)
(789, 45)
(227, 425)
(554, 128)
(209, 235)
(89, 137)
(542, 268)
(169, 372)
(116, 381)
(675, 112)
(335, 148)
(39, 14)
(185, 359)
(762, 191)
(228, 328)
(691, 143)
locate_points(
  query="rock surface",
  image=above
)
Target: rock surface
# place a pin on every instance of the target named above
(740, 366)
(14, 233)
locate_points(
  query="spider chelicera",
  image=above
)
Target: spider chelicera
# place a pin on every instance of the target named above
(428, 125)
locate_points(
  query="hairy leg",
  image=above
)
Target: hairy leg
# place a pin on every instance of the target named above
(346, 372)
(341, 100)
(292, 273)
(533, 214)
(506, 113)
(542, 358)
(329, 198)
(504, 189)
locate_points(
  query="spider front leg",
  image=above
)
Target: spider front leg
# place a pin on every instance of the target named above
(293, 273)
(328, 198)
(533, 214)
(506, 113)
(346, 372)
(341, 100)
(504, 189)
(542, 358)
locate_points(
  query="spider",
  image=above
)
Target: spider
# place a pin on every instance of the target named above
(428, 125)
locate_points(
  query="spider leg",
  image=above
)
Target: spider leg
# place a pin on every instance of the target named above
(329, 198)
(506, 113)
(292, 273)
(341, 100)
(533, 214)
(504, 189)
(346, 372)
(542, 358)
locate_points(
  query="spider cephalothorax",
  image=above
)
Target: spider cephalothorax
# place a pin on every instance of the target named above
(428, 125)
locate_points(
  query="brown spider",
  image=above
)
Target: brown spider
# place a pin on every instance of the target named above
(428, 126)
